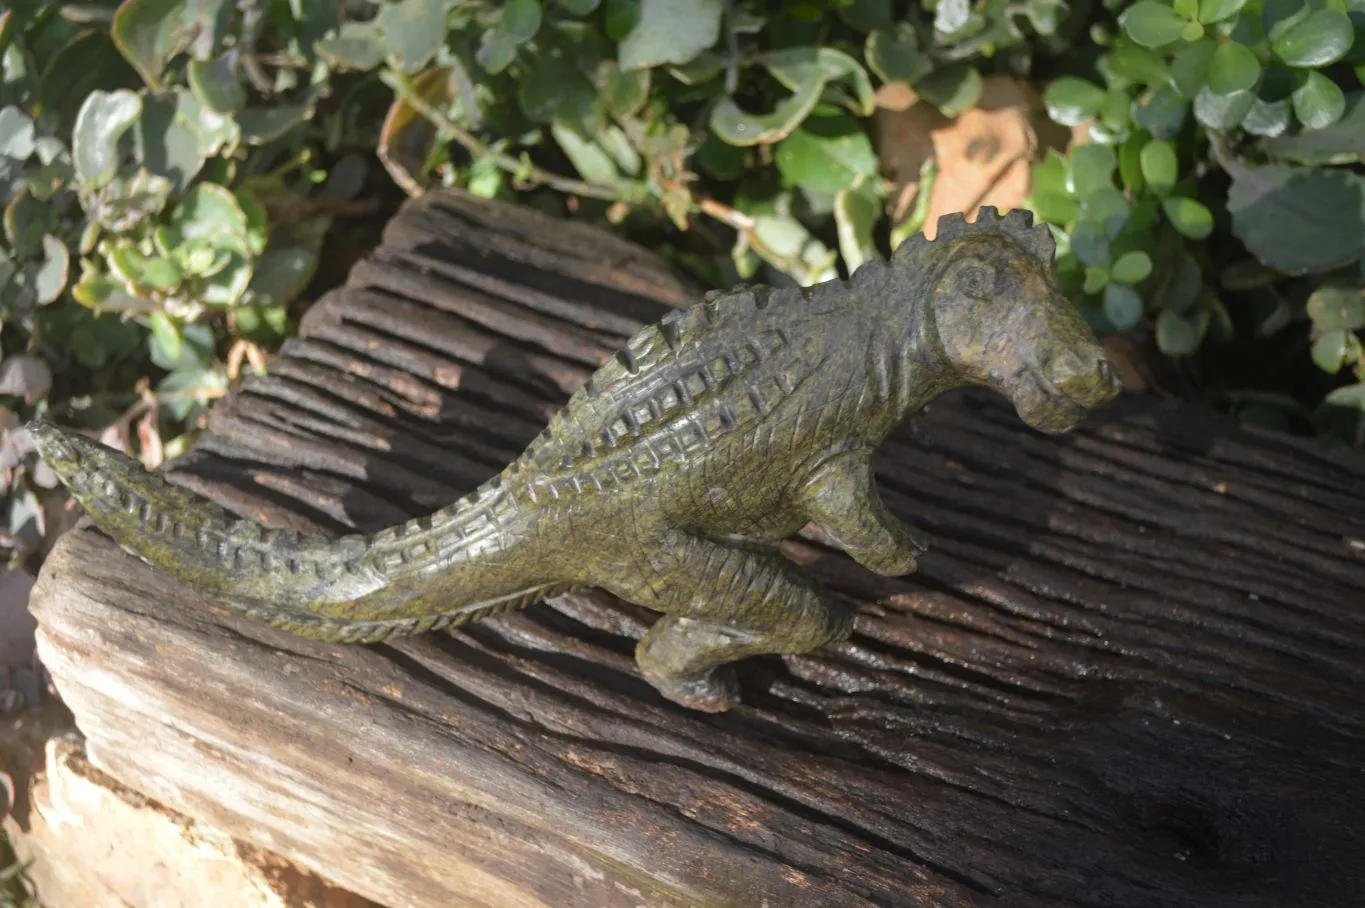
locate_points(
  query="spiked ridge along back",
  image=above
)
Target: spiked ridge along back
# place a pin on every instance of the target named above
(1017, 225)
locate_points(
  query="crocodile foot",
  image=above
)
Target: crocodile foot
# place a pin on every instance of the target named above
(715, 693)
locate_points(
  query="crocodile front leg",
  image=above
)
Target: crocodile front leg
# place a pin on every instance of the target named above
(841, 496)
(722, 604)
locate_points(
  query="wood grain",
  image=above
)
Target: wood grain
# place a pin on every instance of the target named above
(1128, 674)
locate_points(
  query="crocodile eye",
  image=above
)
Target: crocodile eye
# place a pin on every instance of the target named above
(975, 282)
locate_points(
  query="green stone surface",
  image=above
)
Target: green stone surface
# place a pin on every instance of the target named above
(670, 478)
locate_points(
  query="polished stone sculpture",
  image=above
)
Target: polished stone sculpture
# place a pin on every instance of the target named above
(671, 476)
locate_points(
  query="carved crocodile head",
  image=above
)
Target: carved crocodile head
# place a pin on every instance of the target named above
(1003, 323)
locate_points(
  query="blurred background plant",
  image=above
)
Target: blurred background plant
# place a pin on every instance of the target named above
(171, 171)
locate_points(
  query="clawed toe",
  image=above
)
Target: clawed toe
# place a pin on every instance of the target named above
(715, 693)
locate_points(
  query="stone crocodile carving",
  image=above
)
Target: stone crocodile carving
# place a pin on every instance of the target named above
(670, 477)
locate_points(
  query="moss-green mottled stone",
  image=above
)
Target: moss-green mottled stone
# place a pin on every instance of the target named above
(672, 475)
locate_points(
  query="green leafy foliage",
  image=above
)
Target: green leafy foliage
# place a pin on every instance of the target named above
(1232, 106)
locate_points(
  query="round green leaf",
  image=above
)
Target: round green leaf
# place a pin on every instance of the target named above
(497, 50)
(1131, 64)
(102, 121)
(87, 62)
(1329, 351)
(1299, 220)
(554, 88)
(620, 16)
(258, 218)
(1337, 306)
(826, 154)
(1341, 143)
(1115, 113)
(226, 287)
(412, 31)
(856, 213)
(589, 158)
(952, 89)
(1107, 207)
(1071, 101)
(1122, 306)
(168, 138)
(181, 393)
(356, 46)
(1096, 279)
(51, 276)
(281, 275)
(215, 83)
(1179, 335)
(670, 31)
(1321, 38)
(1222, 112)
(211, 214)
(1279, 16)
(1160, 166)
(149, 33)
(1348, 396)
(1180, 285)
(261, 323)
(1131, 268)
(1052, 174)
(866, 15)
(720, 159)
(1186, 9)
(1092, 169)
(1152, 24)
(894, 55)
(736, 127)
(16, 134)
(165, 340)
(1318, 102)
(521, 19)
(797, 66)
(1090, 244)
(1190, 68)
(264, 124)
(161, 274)
(1054, 207)
(1188, 217)
(1221, 328)
(1192, 31)
(1162, 113)
(1130, 162)
(1232, 68)
(1211, 11)
(1267, 118)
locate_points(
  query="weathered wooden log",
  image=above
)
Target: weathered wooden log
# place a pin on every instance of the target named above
(1129, 674)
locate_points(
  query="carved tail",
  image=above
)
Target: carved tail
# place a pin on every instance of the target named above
(459, 564)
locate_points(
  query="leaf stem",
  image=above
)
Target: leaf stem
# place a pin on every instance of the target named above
(448, 129)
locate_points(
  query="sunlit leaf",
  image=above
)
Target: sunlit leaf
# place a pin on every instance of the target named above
(1323, 37)
(827, 153)
(102, 121)
(670, 31)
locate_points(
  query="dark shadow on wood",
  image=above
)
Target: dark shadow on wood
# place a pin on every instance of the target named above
(1128, 674)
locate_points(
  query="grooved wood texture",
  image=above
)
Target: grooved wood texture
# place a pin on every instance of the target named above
(1128, 674)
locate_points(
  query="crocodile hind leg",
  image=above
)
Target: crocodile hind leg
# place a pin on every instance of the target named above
(722, 604)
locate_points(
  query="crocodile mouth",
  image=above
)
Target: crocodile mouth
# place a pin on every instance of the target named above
(53, 446)
(1049, 409)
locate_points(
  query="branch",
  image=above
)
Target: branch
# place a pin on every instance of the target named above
(450, 130)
